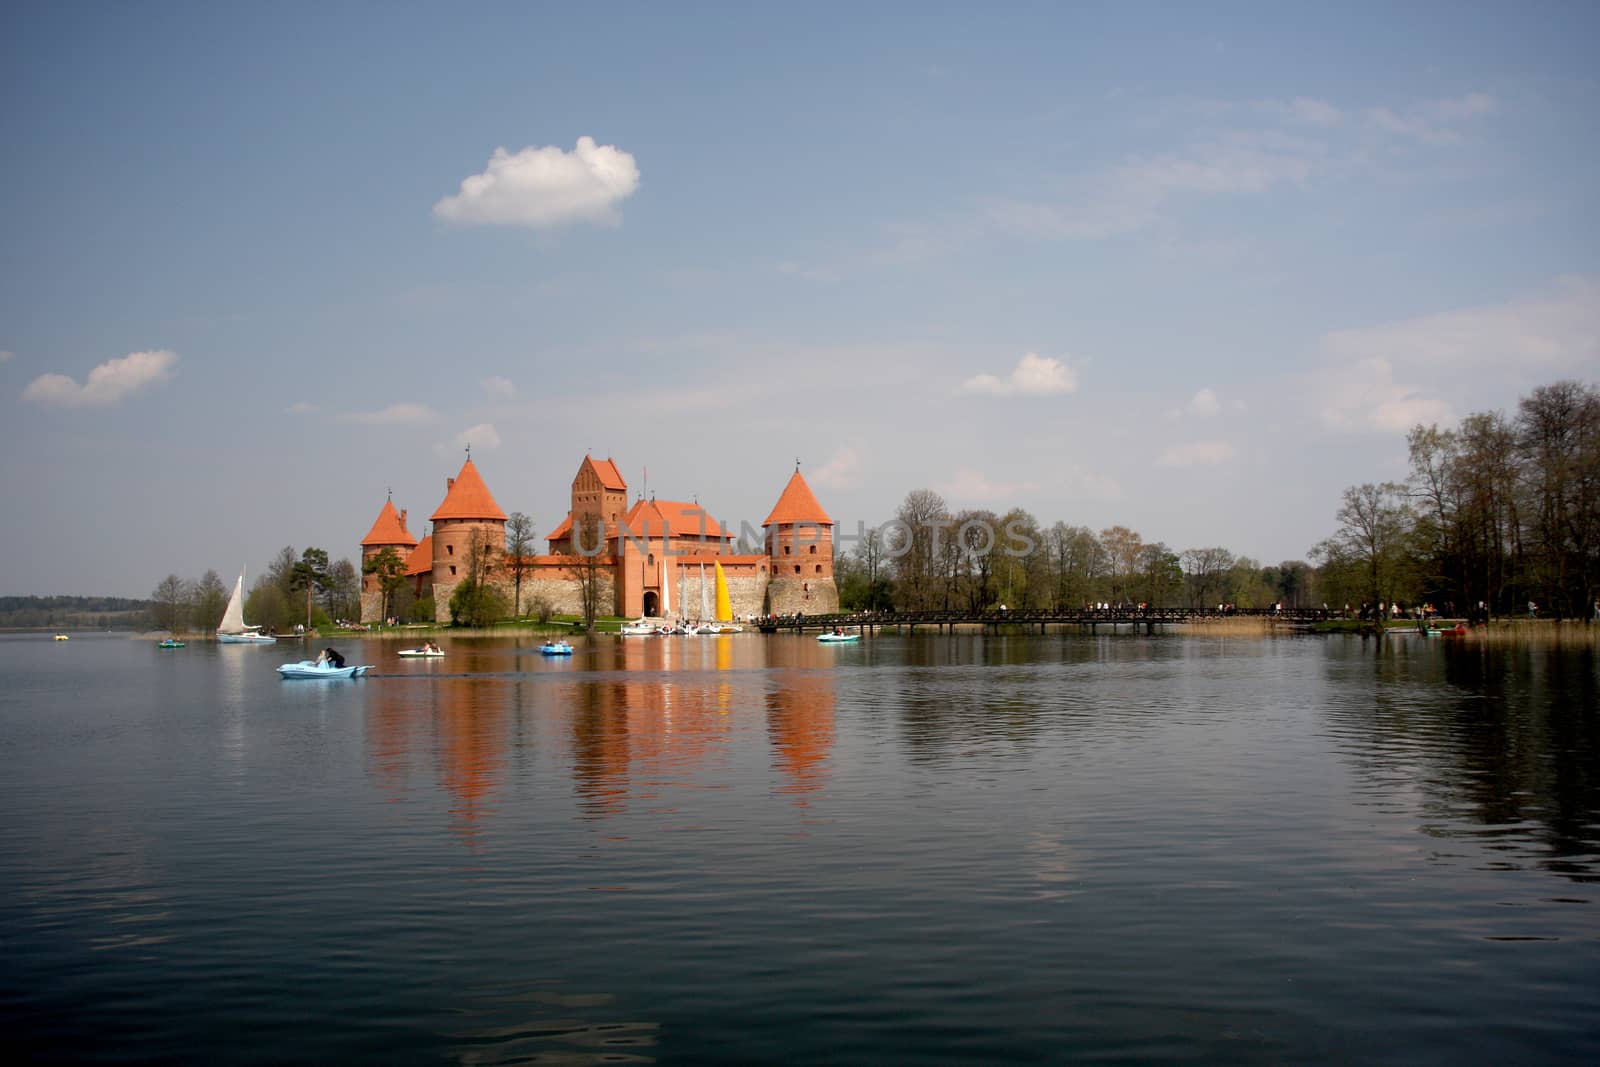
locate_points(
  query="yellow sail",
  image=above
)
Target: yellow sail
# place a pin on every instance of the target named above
(724, 605)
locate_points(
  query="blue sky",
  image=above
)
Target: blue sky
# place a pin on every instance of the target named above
(1189, 271)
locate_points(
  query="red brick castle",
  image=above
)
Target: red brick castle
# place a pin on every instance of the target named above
(651, 558)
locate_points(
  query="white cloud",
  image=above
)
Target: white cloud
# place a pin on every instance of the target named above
(1366, 396)
(500, 388)
(1204, 404)
(483, 437)
(842, 471)
(393, 415)
(1133, 194)
(107, 384)
(968, 485)
(1034, 375)
(1431, 122)
(1196, 453)
(1554, 331)
(301, 407)
(6, 357)
(1392, 376)
(546, 186)
(1317, 112)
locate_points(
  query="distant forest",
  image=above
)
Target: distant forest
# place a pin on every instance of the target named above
(73, 613)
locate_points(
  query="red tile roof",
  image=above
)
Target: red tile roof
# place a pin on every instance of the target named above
(421, 559)
(685, 520)
(797, 504)
(390, 529)
(610, 477)
(468, 498)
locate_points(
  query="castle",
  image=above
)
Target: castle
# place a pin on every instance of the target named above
(656, 557)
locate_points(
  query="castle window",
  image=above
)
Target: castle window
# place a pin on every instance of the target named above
(652, 559)
(813, 550)
(450, 550)
(452, 568)
(819, 568)
(797, 568)
(785, 550)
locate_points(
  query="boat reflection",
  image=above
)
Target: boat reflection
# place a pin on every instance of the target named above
(630, 723)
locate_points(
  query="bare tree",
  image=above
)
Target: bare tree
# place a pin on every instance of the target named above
(519, 544)
(915, 543)
(170, 603)
(584, 557)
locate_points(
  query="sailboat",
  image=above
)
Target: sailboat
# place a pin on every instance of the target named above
(724, 623)
(234, 630)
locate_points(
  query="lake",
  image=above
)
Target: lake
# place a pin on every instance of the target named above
(696, 850)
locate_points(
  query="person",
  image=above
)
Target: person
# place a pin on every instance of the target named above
(331, 657)
(322, 658)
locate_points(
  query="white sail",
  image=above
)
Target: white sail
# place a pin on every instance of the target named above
(666, 592)
(705, 605)
(233, 618)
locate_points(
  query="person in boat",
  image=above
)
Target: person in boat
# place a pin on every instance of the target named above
(330, 658)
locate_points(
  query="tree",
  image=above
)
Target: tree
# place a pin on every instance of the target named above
(280, 572)
(1122, 548)
(869, 554)
(311, 573)
(519, 545)
(475, 600)
(914, 541)
(210, 601)
(1022, 566)
(973, 564)
(1203, 570)
(170, 602)
(1374, 526)
(583, 559)
(1160, 575)
(344, 593)
(390, 571)
(266, 606)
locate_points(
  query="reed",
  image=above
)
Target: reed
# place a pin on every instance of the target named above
(1549, 633)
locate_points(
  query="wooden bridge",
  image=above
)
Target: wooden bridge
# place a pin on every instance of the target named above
(1087, 619)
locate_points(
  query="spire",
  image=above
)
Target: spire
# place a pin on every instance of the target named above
(389, 529)
(797, 504)
(468, 498)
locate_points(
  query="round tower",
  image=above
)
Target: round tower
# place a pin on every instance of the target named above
(800, 553)
(388, 531)
(469, 531)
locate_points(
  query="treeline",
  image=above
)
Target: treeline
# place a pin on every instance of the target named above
(72, 613)
(305, 589)
(1502, 510)
(928, 557)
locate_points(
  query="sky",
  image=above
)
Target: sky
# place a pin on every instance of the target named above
(1189, 269)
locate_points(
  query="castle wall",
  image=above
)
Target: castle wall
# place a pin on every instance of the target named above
(792, 595)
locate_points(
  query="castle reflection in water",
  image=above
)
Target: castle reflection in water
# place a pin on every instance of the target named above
(632, 723)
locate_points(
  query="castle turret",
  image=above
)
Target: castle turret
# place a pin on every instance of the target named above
(468, 520)
(599, 489)
(800, 553)
(388, 531)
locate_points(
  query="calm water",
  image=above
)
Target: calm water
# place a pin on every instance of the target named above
(754, 850)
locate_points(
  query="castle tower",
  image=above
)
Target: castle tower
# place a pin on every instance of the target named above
(389, 531)
(468, 513)
(800, 553)
(599, 489)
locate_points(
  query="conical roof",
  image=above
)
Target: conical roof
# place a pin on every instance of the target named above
(390, 529)
(469, 498)
(797, 504)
